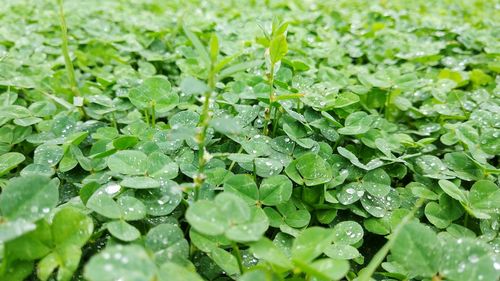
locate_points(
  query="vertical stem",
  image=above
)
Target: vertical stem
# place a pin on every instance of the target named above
(113, 120)
(153, 114)
(254, 171)
(277, 115)
(200, 138)
(67, 59)
(267, 113)
(380, 255)
(146, 116)
(237, 254)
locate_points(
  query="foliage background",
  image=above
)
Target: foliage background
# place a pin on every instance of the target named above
(387, 122)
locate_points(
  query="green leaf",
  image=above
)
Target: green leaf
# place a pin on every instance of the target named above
(206, 218)
(452, 190)
(344, 100)
(192, 86)
(9, 161)
(140, 182)
(48, 155)
(200, 49)
(155, 91)
(356, 123)
(161, 167)
(167, 243)
(485, 196)
(235, 68)
(103, 204)
(468, 259)
(310, 243)
(29, 197)
(127, 263)
(342, 252)
(123, 231)
(12, 229)
(174, 272)
(264, 249)
(309, 169)
(417, 249)
(32, 245)
(214, 48)
(128, 162)
(275, 190)
(377, 182)
(125, 142)
(131, 208)
(161, 201)
(71, 227)
(443, 214)
(278, 47)
(225, 260)
(251, 229)
(348, 232)
(244, 187)
(328, 269)
(226, 125)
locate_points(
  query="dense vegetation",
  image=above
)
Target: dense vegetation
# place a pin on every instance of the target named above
(249, 140)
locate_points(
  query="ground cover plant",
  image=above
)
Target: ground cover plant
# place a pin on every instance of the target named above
(249, 140)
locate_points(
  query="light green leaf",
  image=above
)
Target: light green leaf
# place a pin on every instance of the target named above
(356, 123)
(342, 252)
(310, 243)
(206, 218)
(127, 263)
(264, 249)
(103, 204)
(131, 208)
(155, 91)
(417, 249)
(174, 272)
(347, 232)
(9, 161)
(29, 197)
(71, 227)
(452, 190)
(275, 190)
(123, 231)
(244, 187)
(128, 162)
(278, 47)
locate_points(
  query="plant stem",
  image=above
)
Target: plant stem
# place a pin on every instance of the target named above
(267, 113)
(153, 114)
(254, 170)
(67, 59)
(380, 255)
(200, 138)
(277, 115)
(146, 116)
(237, 254)
(113, 120)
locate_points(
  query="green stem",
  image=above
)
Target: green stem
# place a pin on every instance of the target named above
(380, 255)
(466, 220)
(237, 254)
(254, 171)
(146, 116)
(200, 138)
(113, 120)
(67, 59)
(153, 114)
(277, 115)
(267, 113)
